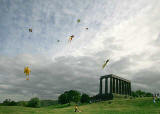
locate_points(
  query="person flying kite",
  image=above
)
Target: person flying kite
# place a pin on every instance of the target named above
(71, 37)
(27, 72)
(105, 63)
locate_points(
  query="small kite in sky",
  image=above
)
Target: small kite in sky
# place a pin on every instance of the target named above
(78, 20)
(30, 30)
(27, 72)
(86, 28)
(71, 37)
(105, 63)
(58, 40)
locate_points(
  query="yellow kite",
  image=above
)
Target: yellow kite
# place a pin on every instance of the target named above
(27, 72)
(105, 64)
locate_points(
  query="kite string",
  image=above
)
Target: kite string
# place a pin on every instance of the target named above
(108, 69)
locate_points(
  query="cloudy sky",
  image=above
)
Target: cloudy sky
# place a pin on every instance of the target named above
(126, 31)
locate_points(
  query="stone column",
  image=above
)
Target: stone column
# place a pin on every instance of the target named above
(106, 85)
(129, 88)
(100, 87)
(116, 85)
(125, 88)
(120, 86)
(111, 85)
(124, 83)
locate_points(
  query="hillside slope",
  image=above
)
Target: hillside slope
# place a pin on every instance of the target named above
(123, 106)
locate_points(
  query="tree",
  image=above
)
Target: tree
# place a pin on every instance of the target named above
(148, 94)
(133, 94)
(8, 102)
(140, 93)
(69, 96)
(74, 96)
(13, 103)
(34, 102)
(85, 98)
(63, 98)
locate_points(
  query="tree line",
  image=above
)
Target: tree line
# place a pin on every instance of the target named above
(68, 97)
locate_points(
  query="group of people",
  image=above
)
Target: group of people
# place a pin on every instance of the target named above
(156, 98)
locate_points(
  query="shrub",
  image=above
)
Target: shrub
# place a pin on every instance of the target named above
(22, 103)
(109, 102)
(44, 103)
(102, 97)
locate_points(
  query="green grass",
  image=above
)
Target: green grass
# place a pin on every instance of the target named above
(122, 106)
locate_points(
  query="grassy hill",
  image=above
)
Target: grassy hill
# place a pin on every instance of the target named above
(122, 106)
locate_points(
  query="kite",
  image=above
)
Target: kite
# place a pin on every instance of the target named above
(105, 63)
(30, 30)
(71, 37)
(78, 20)
(86, 28)
(27, 72)
(58, 40)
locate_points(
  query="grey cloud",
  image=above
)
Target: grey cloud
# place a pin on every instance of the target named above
(50, 78)
(147, 76)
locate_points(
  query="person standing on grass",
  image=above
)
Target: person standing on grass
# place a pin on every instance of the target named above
(154, 100)
(158, 97)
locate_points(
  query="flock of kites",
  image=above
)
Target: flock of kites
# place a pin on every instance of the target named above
(27, 70)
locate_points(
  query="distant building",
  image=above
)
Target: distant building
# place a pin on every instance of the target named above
(115, 84)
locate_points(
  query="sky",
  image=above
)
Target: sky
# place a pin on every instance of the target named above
(125, 31)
